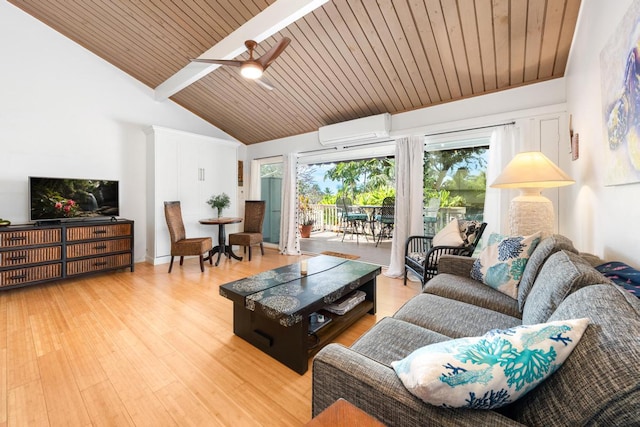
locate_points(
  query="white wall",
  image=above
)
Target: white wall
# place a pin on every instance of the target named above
(538, 111)
(65, 112)
(516, 104)
(603, 220)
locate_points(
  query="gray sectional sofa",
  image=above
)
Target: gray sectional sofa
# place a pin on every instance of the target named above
(599, 384)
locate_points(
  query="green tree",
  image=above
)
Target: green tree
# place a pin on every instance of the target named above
(437, 164)
(358, 178)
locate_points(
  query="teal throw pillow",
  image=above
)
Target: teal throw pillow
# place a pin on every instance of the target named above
(502, 262)
(490, 371)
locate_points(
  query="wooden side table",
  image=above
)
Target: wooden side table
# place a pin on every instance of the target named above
(343, 414)
(222, 247)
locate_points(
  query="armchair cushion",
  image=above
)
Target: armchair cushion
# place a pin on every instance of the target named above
(501, 263)
(469, 230)
(492, 370)
(449, 235)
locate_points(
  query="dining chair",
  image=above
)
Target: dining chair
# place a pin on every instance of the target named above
(386, 218)
(254, 211)
(180, 245)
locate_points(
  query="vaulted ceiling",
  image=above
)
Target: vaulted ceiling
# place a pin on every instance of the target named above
(347, 59)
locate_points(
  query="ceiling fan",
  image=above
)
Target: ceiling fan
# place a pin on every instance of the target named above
(253, 68)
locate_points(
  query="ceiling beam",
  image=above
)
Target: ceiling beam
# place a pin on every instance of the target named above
(268, 22)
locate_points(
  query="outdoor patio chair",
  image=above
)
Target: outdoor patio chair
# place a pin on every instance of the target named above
(421, 257)
(386, 218)
(431, 216)
(351, 218)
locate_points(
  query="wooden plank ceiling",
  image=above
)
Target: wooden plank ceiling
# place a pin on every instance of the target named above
(347, 59)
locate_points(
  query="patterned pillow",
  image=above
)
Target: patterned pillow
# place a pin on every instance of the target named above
(502, 261)
(490, 371)
(449, 235)
(469, 230)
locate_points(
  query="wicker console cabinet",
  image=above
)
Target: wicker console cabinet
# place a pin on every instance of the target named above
(32, 254)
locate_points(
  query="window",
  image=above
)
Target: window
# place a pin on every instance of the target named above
(457, 176)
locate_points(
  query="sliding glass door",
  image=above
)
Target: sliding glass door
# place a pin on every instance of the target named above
(271, 192)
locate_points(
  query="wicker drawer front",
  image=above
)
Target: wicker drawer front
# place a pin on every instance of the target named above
(98, 232)
(97, 264)
(30, 256)
(11, 239)
(22, 276)
(78, 250)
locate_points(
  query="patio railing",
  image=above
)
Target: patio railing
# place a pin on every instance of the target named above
(327, 217)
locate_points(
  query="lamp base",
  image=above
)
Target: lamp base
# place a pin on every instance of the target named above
(529, 214)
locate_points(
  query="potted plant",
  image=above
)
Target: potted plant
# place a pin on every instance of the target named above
(306, 220)
(219, 202)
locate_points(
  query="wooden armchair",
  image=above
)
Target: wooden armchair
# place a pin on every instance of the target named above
(254, 211)
(180, 245)
(421, 257)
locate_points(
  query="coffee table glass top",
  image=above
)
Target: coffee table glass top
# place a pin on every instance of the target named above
(285, 295)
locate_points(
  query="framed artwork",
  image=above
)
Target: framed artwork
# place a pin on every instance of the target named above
(240, 173)
(620, 85)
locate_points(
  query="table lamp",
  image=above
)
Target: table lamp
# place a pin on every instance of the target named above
(531, 172)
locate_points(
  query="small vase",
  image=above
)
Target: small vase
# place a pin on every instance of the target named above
(219, 212)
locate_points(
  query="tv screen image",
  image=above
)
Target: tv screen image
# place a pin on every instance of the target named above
(61, 198)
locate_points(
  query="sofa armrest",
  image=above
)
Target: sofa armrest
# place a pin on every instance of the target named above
(455, 264)
(376, 389)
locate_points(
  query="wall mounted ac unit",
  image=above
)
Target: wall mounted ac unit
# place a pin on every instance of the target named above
(358, 131)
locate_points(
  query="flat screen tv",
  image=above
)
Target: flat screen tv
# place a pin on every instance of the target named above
(62, 198)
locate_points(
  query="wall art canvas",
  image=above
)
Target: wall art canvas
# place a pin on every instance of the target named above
(620, 85)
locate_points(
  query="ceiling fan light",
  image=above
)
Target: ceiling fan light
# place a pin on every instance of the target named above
(251, 70)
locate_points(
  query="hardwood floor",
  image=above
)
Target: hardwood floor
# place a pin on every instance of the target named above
(150, 349)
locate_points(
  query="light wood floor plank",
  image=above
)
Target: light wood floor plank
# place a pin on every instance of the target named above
(22, 363)
(150, 348)
(104, 406)
(65, 406)
(26, 405)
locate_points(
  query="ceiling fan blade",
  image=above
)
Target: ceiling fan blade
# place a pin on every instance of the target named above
(265, 84)
(218, 61)
(266, 59)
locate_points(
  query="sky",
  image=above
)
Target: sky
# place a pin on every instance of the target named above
(318, 177)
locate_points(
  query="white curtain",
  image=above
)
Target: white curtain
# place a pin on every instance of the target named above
(502, 148)
(289, 235)
(408, 211)
(255, 192)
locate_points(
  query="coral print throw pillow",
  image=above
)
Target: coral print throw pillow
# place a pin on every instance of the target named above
(490, 371)
(501, 264)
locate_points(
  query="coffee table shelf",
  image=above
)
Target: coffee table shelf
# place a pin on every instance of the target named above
(339, 324)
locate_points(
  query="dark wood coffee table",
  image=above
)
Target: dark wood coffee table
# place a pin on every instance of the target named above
(271, 309)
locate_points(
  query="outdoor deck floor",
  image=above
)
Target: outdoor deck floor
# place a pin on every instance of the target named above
(363, 247)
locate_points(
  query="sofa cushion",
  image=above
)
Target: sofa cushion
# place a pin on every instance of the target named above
(452, 318)
(399, 338)
(467, 290)
(502, 262)
(562, 274)
(490, 371)
(544, 250)
(449, 235)
(599, 384)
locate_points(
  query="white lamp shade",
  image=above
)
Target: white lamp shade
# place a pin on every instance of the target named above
(531, 169)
